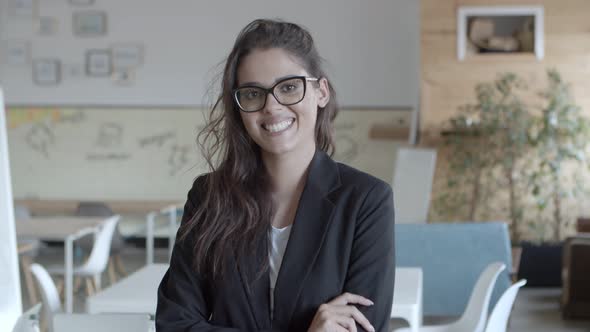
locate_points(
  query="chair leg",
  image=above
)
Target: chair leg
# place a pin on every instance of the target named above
(77, 284)
(60, 288)
(97, 282)
(26, 266)
(89, 286)
(111, 270)
(120, 266)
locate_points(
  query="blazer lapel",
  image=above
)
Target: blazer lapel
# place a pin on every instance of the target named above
(312, 220)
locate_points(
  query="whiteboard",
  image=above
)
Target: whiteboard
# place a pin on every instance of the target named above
(148, 154)
(371, 49)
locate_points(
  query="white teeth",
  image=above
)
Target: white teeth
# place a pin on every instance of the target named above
(276, 127)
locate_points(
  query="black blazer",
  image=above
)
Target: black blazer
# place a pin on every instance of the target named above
(341, 241)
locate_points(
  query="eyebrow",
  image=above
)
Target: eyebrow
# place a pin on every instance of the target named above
(258, 84)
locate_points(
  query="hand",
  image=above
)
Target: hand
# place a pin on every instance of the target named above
(339, 315)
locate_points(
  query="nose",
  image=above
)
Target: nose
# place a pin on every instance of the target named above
(271, 102)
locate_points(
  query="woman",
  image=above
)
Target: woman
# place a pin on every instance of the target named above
(278, 236)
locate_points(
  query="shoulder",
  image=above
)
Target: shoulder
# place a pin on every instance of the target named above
(357, 180)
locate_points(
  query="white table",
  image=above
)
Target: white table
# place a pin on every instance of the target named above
(172, 212)
(407, 296)
(65, 229)
(136, 293)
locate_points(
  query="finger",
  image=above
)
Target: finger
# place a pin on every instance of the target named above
(346, 322)
(357, 315)
(347, 298)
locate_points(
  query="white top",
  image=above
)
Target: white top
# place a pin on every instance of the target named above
(276, 249)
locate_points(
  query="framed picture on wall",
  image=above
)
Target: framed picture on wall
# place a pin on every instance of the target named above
(46, 71)
(89, 23)
(17, 52)
(127, 55)
(23, 8)
(99, 63)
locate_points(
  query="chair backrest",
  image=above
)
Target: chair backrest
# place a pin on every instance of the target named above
(99, 256)
(21, 212)
(412, 184)
(29, 320)
(49, 293)
(498, 320)
(102, 322)
(475, 316)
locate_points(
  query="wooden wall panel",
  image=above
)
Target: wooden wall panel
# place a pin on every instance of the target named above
(447, 83)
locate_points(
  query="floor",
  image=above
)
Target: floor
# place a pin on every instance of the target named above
(535, 309)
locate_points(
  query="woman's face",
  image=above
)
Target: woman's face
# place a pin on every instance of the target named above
(276, 128)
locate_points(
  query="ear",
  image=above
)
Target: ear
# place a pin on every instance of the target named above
(324, 92)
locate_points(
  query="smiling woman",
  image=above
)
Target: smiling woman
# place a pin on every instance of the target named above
(278, 236)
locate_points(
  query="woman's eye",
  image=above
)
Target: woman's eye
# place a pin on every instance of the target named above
(252, 94)
(288, 87)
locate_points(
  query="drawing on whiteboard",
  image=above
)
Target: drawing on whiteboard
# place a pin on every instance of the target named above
(71, 117)
(109, 135)
(157, 140)
(18, 117)
(347, 149)
(39, 138)
(108, 156)
(178, 158)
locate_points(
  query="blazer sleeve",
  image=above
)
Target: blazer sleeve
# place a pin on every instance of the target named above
(182, 294)
(371, 270)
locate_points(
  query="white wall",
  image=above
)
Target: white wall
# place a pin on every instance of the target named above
(371, 48)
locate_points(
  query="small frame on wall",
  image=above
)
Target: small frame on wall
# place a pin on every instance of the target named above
(99, 63)
(46, 71)
(89, 23)
(500, 29)
(127, 55)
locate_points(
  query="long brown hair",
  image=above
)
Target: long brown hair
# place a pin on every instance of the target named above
(235, 210)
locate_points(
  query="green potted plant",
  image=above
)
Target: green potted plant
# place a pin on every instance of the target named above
(559, 137)
(486, 143)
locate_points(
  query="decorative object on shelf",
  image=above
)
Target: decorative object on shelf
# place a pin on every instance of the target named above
(17, 52)
(89, 23)
(99, 63)
(508, 29)
(46, 71)
(127, 55)
(123, 77)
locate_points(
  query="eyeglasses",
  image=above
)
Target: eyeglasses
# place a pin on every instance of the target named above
(288, 91)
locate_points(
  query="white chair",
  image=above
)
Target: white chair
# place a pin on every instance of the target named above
(29, 320)
(49, 294)
(100, 209)
(476, 312)
(102, 322)
(92, 269)
(412, 184)
(498, 320)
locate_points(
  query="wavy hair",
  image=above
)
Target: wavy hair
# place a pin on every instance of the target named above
(234, 214)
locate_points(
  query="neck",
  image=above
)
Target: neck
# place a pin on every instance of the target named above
(288, 172)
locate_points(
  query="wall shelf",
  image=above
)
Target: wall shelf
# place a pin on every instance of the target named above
(500, 21)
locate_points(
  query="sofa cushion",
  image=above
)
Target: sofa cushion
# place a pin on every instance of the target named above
(452, 256)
